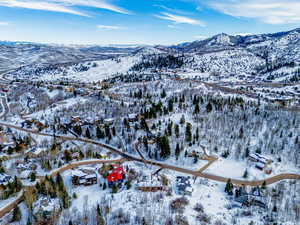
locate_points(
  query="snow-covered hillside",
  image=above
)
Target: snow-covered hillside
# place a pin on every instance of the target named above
(265, 57)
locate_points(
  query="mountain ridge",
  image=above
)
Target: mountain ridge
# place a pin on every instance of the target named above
(262, 57)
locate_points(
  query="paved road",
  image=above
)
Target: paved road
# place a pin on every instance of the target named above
(270, 180)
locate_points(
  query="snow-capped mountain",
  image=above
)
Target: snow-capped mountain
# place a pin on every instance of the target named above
(263, 57)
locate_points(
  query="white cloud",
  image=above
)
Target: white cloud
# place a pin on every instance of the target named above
(180, 19)
(243, 34)
(63, 6)
(200, 37)
(177, 11)
(40, 5)
(106, 27)
(100, 4)
(267, 11)
(2, 23)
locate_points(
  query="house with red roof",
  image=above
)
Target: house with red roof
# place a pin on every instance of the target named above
(117, 175)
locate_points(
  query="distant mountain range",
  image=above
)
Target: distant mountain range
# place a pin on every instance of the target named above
(268, 57)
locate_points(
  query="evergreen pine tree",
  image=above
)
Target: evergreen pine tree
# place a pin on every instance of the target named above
(164, 146)
(99, 133)
(163, 94)
(16, 214)
(188, 132)
(77, 129)
(208, 107)
(177, 131)
(87, 133)
(264, 185)
(197, 109)
(32, 177)
(182, 120)
(229, 187)
(177, 151)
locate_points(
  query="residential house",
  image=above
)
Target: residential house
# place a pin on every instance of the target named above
(80, 177)
(117, 176)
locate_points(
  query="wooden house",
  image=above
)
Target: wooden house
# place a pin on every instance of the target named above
(80, 177)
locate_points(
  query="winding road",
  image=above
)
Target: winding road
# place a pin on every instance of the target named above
(270, 180)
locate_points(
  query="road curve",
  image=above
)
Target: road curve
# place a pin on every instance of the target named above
(20, 196)
(270, 180)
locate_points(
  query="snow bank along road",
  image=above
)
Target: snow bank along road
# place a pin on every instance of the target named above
(270, 180)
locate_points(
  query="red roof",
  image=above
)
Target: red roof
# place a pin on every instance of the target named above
(116, 174)
(114, 177)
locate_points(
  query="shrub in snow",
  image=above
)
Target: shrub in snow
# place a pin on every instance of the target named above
(178, 204)
(120, 217)
(199, 208)
(169, 221)
(203, 217)
(181, 220)
(246, 213)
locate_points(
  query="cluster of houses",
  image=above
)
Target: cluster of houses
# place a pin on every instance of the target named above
(262, 163)
(30, 122)
(76, 120)
(88, 176)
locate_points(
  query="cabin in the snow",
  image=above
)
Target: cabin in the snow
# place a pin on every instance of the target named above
(259, 158)
(80, 177)
(262, 163)
(117, 176)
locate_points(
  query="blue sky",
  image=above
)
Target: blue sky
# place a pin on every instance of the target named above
(141, 21)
